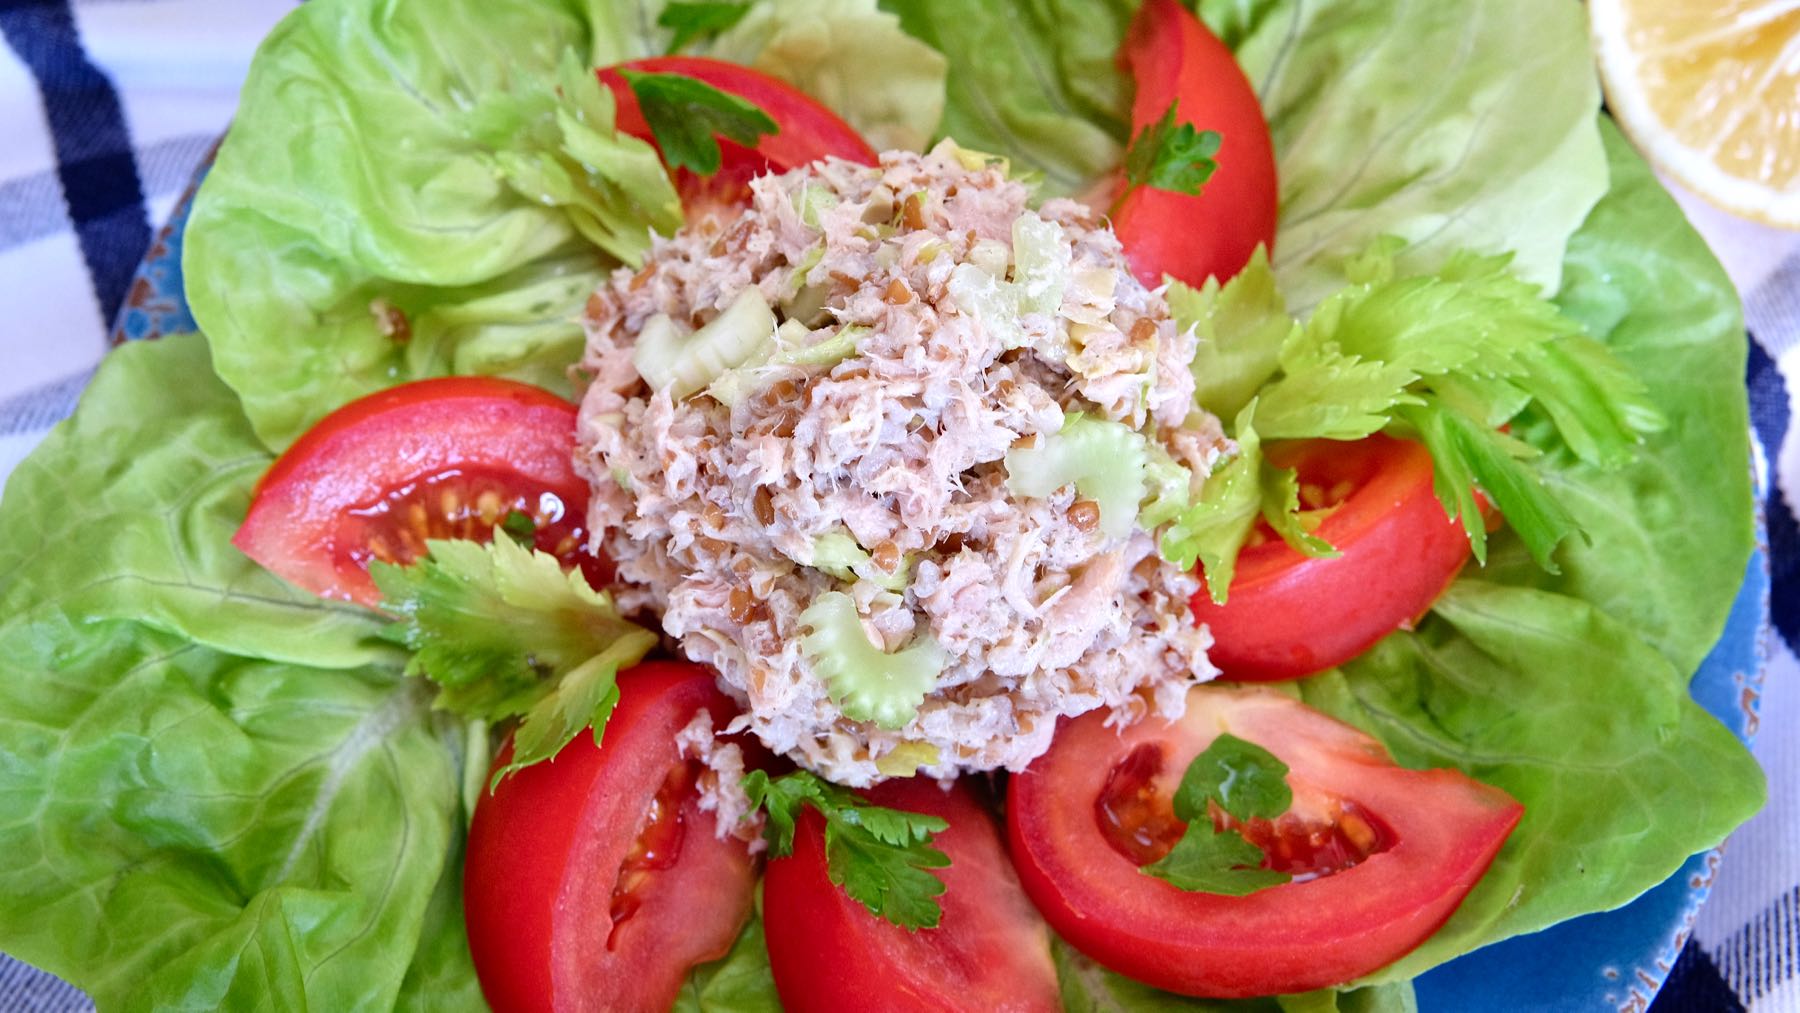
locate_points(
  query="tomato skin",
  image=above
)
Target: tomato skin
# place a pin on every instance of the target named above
(1288, 615)
(808, 130)
(544, 854)
(990, 951)
(301, 523)
(1445, 831)
(1175, 58)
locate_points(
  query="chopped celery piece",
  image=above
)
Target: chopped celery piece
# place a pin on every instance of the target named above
(905, 759)
(807, 305)
(991, 301)
(867, 683)
(808, 261)
(812, 202)
(992, 256)
(969, 158)
(830, 352)
(683, 365)
(752, 375)
(839, 554)
(1171, 487)
(1106, 462)
(1041, 259)
(790, 333)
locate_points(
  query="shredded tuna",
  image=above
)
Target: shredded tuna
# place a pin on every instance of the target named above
(712, 511)
(721, 783)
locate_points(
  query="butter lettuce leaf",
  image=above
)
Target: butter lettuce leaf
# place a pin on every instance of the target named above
(1622, 774)
(738, 982)
(1490, 148)
(394, 202)
(850, 55)
(1033, 80)
(213, 789)
(1089, 988)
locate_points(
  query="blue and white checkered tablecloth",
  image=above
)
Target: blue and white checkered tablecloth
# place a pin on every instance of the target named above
(107, 106)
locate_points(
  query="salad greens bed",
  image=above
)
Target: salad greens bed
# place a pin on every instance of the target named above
(219, 791)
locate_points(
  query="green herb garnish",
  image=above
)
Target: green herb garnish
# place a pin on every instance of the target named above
(1246, 782)
(688, 116)
(881, 857)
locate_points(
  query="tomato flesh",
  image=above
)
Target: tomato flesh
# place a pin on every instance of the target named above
(1138, 819)
(990, 951)
(806, 130)
(444, 458)
(594, 881)
(1173, 57)
(1288, 615)
(1381, 855)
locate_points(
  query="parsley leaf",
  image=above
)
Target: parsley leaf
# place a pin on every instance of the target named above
(1244, 781)
(688, 116)
(880, 857)
(1172, 156)
(690, 20)
(518, 525)
(504, 632)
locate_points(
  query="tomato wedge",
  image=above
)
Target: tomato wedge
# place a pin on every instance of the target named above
(1289, 615)
(445, 458)
(990, 951)
(1174, 58)
(807, 131)
(1382, 855)
(595, 881)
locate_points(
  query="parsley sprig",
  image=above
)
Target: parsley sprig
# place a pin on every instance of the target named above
(1247, 782)
(1167, 155)
(690, 19)
(881, 857)
(688, 116)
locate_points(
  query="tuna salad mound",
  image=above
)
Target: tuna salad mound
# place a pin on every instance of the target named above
(886, 450)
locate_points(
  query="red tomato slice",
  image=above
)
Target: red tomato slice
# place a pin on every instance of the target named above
(808, 131)
(1289, 616)
(1174, 58)
(1383, 854)
(594, 881)
(990, 951)
(445, 458)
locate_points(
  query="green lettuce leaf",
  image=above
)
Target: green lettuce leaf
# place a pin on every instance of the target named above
(1089, 988)
(1033, 80)
(393, 202)
(1622, 775)
(194, 817)
(738, 982)
(1491, 148)
(851, 56)
(172, 479)
(387, 155)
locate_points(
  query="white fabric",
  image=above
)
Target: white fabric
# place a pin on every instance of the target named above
(177, 65)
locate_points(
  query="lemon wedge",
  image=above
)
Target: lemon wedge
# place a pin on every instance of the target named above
(1710, 92)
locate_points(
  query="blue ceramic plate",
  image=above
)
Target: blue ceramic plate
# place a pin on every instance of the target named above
(1616, 960)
